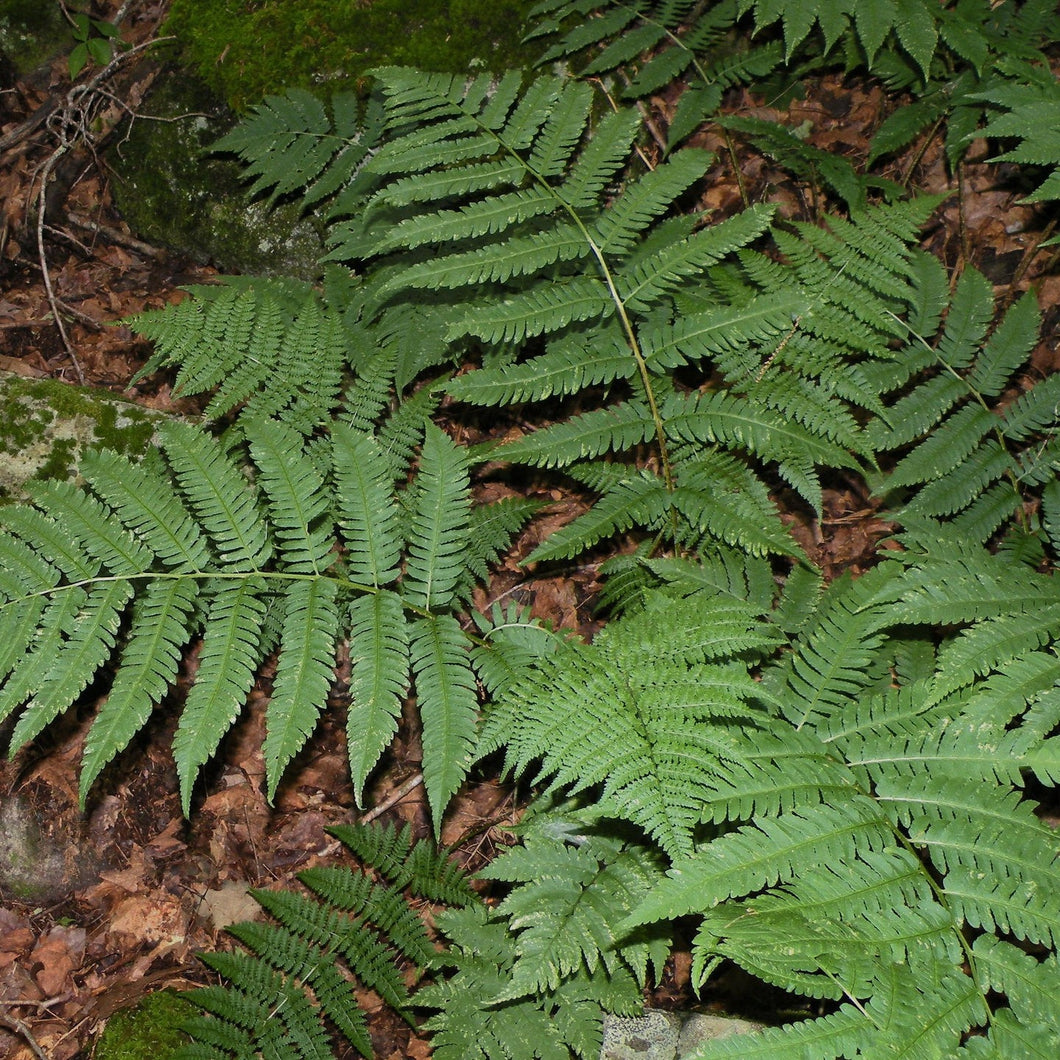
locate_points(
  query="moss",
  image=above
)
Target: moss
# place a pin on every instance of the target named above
(173, 193)
(32, 32)
(46, 425)
(147, 1031)
(247, 49)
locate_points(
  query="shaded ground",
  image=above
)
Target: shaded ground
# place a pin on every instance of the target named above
(133, 890)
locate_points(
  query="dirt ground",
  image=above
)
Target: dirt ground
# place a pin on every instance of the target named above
(137, 890)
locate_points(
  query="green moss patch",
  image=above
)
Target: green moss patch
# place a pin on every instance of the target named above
(147, 1031)
(247, 49)
(46, 425)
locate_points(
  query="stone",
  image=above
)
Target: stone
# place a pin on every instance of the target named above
(46, 425)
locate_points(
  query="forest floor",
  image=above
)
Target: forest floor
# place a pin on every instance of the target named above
(141, 889)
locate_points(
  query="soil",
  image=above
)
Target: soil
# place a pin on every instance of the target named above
(140, 889)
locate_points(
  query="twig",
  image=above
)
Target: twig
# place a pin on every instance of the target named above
(20, 1028)
(410, 785)
(42, 257)
(115, 235)
(72, 127)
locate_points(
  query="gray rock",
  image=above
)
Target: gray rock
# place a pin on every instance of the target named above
(650, 1037)
(667, 1035)
(45, 426)
(699, 1028)
(173, 192)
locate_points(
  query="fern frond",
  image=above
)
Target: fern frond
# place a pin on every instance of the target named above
(335, 932)
(987, 882)
(273, 344)
(448, 705)
(145, 503)
(219, 497)
(628, 715)
(313, 967)
(379, 679)
(841, 945)
(566, 907)
(367, 511)
(149, 664)
(469, 1025)
(380, 906)
(423, 869)
(271, 1009)
(304, 673)
(297, 502)
(582, 437)
(89, 523)
(565, 369)
(640, 500)
(761, 854)
(290, 143)
(719, 498)
(230, 655)
(91, 636)
(439, 522)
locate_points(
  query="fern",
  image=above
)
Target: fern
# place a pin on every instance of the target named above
(831, 822)
(273, 347)
(976, 457)
(190, 550)
(831, 783)
(300, 965)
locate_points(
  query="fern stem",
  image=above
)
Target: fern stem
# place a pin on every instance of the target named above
(999, 434)
(616, 298)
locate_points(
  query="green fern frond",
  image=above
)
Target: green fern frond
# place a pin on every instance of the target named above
(327, 928)
(144, 502)
(422, 868)
(219, 496)
(351, 930)
(260, 994)
(439, 522)
(290, 143)
(565, 909)
(302, 962)
(305, 670)
(150, 662)
(629, 715)
(471, 1025)
(297, 502)
(231, 653)
(74, 661)
(274, 345)
(764, 853)
(448, 705)
(378, 680)
(368, 513)
(641, 500)
(565, 369)
(582, 437)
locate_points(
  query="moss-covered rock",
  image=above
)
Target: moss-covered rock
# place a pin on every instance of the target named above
(247, 49)
(32, 32)
(46, 425)
(149, 1030)
(173, 193)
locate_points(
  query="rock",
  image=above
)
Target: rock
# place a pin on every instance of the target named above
(173, 193)
(699, 1028)
(32, 32)
(667, 1035)
(45, 425)
(652, 1036)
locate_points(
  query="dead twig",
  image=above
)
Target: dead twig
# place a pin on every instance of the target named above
(387, 804)
(71, 125)
(23, 1031)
